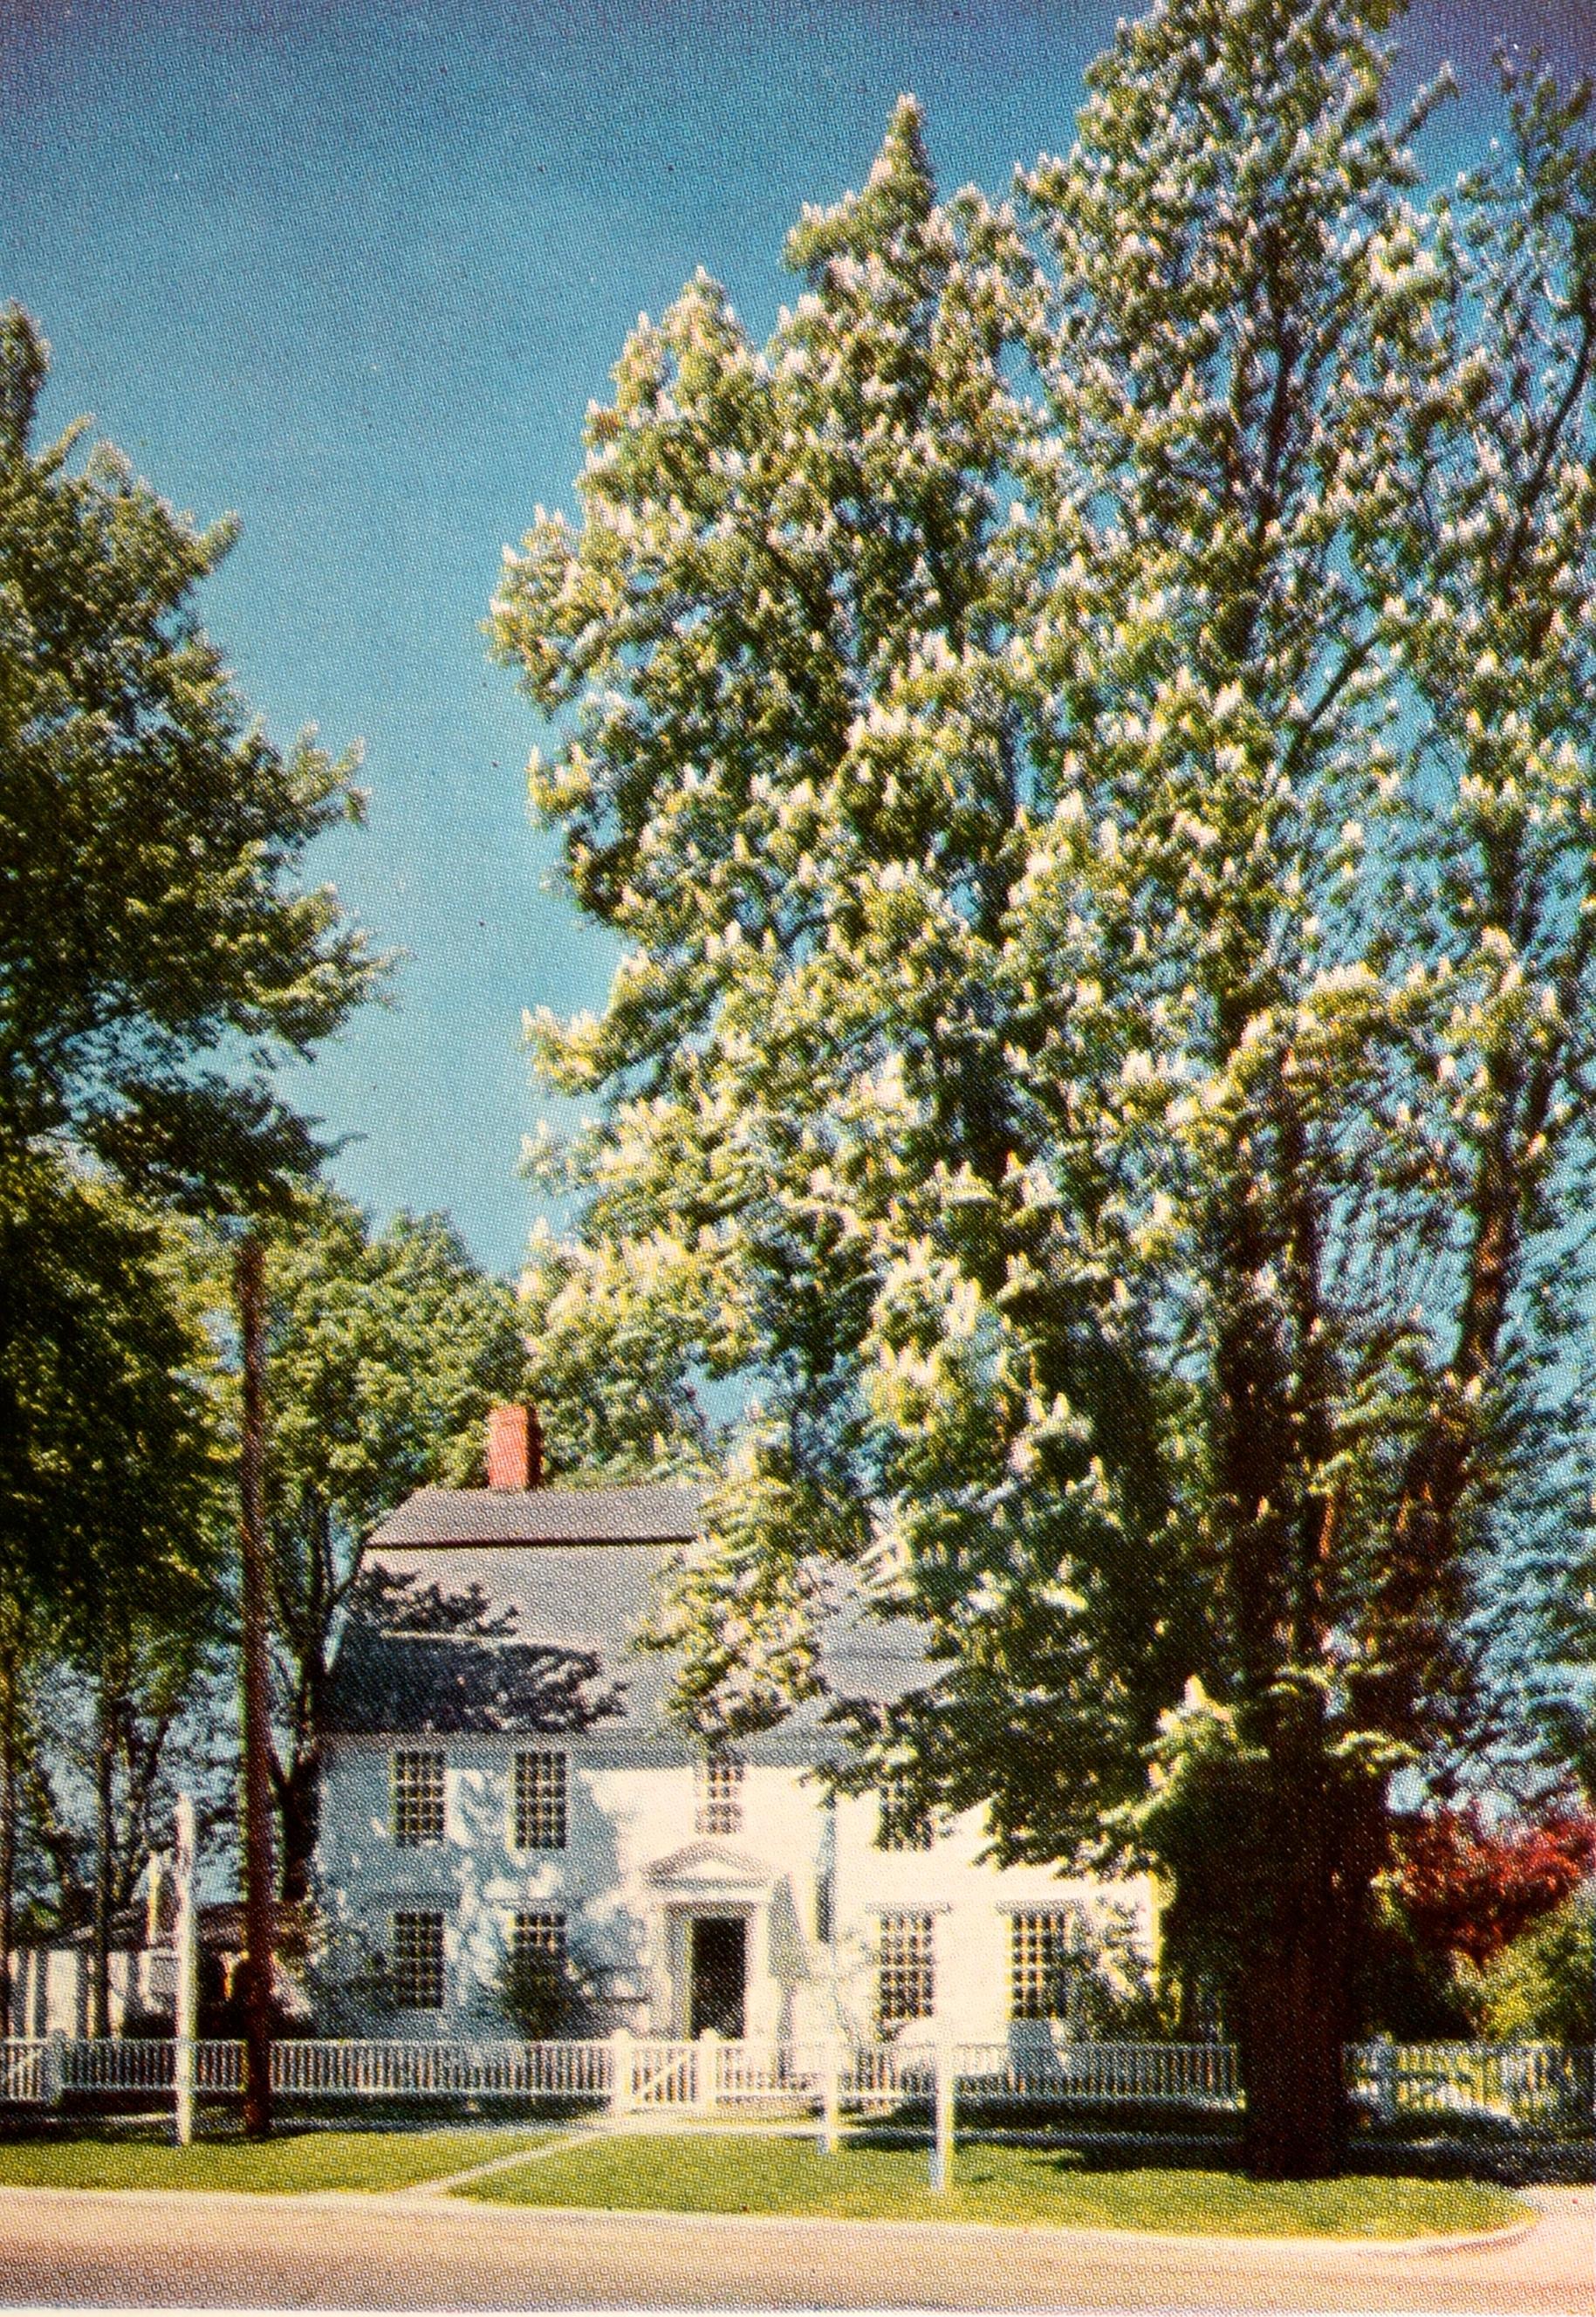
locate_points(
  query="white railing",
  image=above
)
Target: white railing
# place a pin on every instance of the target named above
(1522, 2086)
(22, 2070)
(1185, 2075)
(882, 2075)
(308, 2069)
(114, 2063)
(663, 2074)
(219, 2068)
(754, 2071)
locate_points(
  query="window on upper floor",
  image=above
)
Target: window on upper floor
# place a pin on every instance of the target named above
(720, 1794)
(905, 1823)
(418, 1961)
(906, 1969)
(537, 1802)
(1039, 1947)
(417, 1796)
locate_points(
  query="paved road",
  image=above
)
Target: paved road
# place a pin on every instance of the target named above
(421, 2253)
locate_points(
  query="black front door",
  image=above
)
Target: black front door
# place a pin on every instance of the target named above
(720, 1973)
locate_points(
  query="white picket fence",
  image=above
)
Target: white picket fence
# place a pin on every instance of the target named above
(303, 2069)
(22, 2070)
(1524, 2086)
(1521, 2084)
(1155, 2075)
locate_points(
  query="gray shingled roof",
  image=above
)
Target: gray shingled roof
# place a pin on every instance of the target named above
(644, 1512)
(575, 1570)
(588, 1599)
(435, 1683)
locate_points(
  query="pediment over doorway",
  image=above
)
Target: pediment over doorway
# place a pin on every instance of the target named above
(709, 1867)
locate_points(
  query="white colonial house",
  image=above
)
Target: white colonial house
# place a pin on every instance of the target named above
(520, 1781)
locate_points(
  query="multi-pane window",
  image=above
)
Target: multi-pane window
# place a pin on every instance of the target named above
(905, 1824)
(539, 1930)
(418, 1962)
(720, 1794)
(908, 1983)
(1038, 1964)
(418, 1796)
(538, 1801)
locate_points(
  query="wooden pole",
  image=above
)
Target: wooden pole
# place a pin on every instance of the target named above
(259, 1928)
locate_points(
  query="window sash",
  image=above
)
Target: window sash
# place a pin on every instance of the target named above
(538, 1801)
(539, 1930)
(907, 1985)
(418, 1960)
(1040, 1945)
(720, 1794)
(417, 1797)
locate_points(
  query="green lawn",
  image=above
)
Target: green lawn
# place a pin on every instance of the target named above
(719, 2172)
(290, 2163)
(727, 2172)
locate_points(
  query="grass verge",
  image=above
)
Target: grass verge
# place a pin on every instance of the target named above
(708, 2172)
(291, 2164)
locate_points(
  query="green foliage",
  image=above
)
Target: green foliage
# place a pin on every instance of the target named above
(542, 1994)
(1084, 735)
(617, 1394)
(385, 1350)
(157, 954)
(346, 1986)
(111, 1458)
(149, 923)
(1110, 1993)
(1544, 1983)
(1407, 1991)
(114, 1535)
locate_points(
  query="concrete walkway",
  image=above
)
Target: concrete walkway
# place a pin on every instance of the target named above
(425, 2252)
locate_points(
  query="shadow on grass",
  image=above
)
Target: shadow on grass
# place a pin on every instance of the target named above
(1200, 2142)
(1083, 2145)
(219, 2122)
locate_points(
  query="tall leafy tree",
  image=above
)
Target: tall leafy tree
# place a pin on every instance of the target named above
(151, 933)
(157, 952)
(113, 1482)
(385, 1351)
(1085, 735)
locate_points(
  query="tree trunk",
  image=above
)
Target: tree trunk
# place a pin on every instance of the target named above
(298, 1806)
(259, 1911)
(1293, 2025)
(1295, 1994)
(100, 1961)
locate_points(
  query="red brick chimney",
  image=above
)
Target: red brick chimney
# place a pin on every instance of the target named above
(514, 1448)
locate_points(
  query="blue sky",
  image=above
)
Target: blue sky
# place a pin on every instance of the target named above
(355, 270)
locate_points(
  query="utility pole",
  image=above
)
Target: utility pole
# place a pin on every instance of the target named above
(259, 1927)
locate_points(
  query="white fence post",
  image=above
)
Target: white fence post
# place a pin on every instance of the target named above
(52, 2069)
(941, 2142)
(620, 2072)
(186, 1993)
(705, 2085)
(830, 2095)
